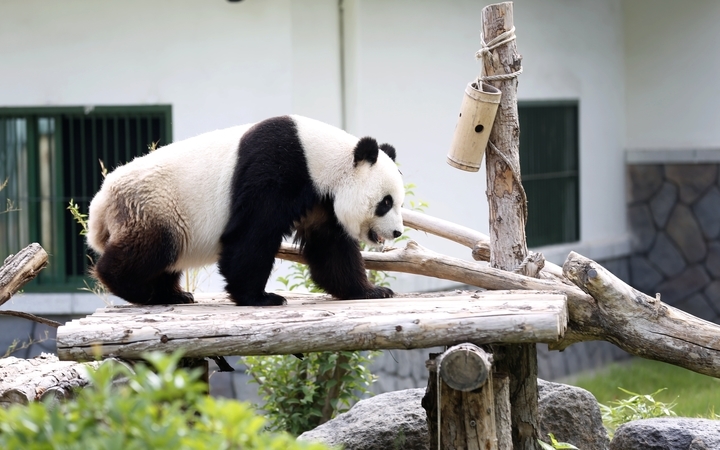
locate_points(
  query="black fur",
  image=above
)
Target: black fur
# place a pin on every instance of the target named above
(366, 150)
(389, 150)
(135, 268)
(272, 190)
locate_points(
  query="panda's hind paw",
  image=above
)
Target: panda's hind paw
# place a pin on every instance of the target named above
(265, 299)
(379, 292)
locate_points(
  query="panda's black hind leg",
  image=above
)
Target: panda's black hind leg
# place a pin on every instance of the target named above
(136, 270)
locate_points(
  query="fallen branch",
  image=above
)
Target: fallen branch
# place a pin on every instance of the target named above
(32, 317)
(25, 380)
(640, 324)
(20, 268)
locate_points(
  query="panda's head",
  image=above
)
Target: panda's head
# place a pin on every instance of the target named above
(369, 202)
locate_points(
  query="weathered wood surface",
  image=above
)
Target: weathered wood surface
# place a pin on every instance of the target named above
(416, 259)
(643, 325)
(216, 327)
(464, 419)
(508, 215)
(26, 380)
(20, 268)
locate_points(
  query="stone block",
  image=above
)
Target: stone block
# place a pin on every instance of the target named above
(644, 276)
(642, 227)
(645, 180)
(665, 256)
(707, 213)
(692, 180)
(712, 263)
(691, 280)
(685, 232)
(699, 306)
(668, 434)
(662, 204)
(712, 294)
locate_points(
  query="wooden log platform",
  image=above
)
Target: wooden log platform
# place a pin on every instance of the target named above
(213, 326)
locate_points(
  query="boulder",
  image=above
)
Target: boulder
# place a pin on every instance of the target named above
(668, 434)
(572, 415)
(394, 420)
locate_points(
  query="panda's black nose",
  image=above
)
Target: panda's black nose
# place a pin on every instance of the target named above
(397, 234)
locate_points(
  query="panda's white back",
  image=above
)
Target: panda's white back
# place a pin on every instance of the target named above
(186, 183)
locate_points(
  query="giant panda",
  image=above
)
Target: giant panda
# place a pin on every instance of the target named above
(230, 196)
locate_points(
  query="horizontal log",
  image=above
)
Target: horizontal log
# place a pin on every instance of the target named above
(640, 324)
(216, 327)
(26, 380)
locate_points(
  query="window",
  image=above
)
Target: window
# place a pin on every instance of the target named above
(51, 155)
(549, 165)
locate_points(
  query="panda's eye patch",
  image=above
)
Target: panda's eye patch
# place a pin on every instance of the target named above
(384, 206)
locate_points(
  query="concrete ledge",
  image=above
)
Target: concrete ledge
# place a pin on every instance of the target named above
(673, 156)
(59, 303)
(598, 250)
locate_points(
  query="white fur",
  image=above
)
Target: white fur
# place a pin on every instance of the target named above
(188, 184)
(357, 189)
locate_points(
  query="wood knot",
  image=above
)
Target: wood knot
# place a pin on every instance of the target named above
(164, 339)
(398, 328)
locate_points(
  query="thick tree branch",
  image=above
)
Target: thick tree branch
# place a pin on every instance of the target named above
(20, 268)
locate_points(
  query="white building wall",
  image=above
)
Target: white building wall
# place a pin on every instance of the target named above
(672, 72)
(409, 64)
(406, 65)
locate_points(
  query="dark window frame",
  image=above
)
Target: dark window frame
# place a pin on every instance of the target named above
(550, 165)
(80, 137)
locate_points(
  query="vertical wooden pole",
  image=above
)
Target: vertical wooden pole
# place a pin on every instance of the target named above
(507, 218)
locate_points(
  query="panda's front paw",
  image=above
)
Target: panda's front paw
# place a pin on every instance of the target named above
(264, 299)
(379, 292)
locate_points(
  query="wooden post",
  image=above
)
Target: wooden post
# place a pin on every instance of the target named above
(508, 211)
(467, 415)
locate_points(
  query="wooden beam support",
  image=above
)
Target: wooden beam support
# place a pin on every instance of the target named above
(310, 323)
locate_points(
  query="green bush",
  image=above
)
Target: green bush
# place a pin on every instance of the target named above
(636, 407)
(300, 394)
(156, 407)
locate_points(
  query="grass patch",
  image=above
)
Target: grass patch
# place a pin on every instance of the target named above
(696, 395)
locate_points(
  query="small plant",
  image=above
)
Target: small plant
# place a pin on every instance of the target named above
(18, 345)
(636, 407)
(555, 445)
(301, 394)
(157, 406)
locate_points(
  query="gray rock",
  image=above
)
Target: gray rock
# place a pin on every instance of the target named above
(690, 281)
(712, 263)
(645, 180)
(685, 231)
(667, 434)
(712, 293)
(642, 226)
(571, 414)
(699, 306)
(384, 422)
(644, 276)
(692, 179)
(665, 256)
(707, 213)
(662, 203)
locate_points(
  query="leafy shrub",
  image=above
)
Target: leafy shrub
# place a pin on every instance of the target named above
(300, 394)
(157, 407)
(636, 407)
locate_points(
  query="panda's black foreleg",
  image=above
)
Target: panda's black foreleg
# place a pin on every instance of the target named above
(336, 264)
(247, 257)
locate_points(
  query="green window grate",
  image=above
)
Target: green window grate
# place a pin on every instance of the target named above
(549, 165)
(51, 155)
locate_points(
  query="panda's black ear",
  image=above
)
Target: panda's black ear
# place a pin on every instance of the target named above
(366, 150)
(389, 149)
